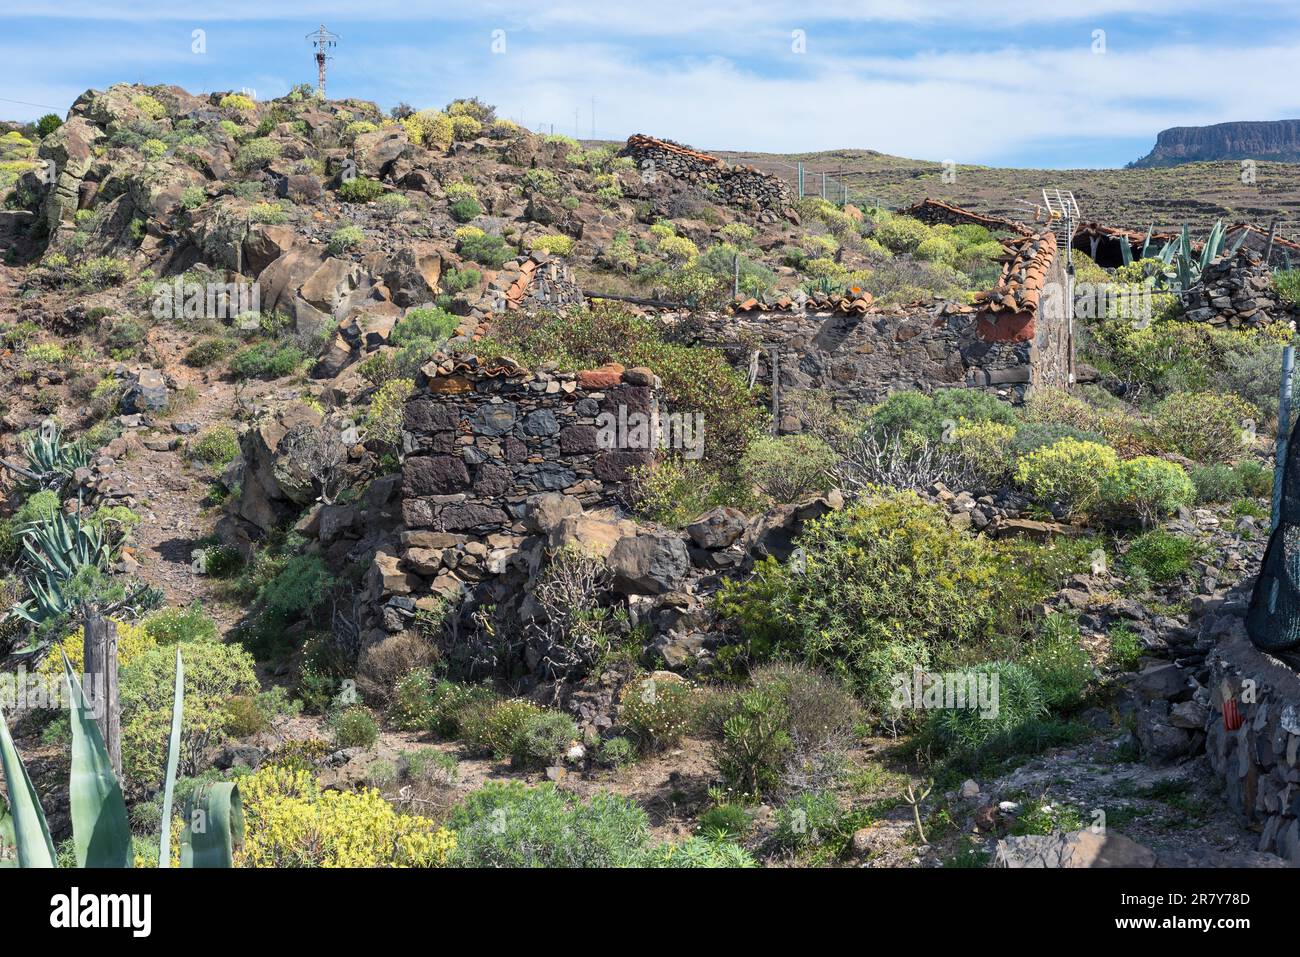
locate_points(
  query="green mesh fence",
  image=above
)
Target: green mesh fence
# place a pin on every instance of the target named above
(1273, 621)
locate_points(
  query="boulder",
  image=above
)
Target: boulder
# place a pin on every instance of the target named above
(147, 392)
(546, 511)
(413, 274)
(1077, 849)
(650, 563)
(717, 528)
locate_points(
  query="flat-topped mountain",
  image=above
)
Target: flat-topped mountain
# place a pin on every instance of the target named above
(1277, 140)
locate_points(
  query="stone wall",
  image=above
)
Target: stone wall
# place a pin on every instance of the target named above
(481, 441)
(1259, 761)
(742, 186)
(1237, 291)
(863, 358)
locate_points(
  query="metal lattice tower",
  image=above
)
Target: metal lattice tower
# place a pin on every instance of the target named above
(323, 40)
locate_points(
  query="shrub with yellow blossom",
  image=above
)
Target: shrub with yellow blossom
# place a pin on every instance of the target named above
(291, 822)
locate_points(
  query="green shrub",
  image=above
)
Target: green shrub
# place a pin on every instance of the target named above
(360, 189)
(695, 852)
(208, 351)
(1125, 648)
(1147, 486)
(266, 360)
(755, 744)
(256, 153)
(616, 752)
(449, 701)
(807, 820)
(214, 673)
(1215, 483)
(658, 710)
(384, 417)
(295, 588)
(411, 708)
(1019, 701)
(218, 446)
(506, 824)
(934, 415)
(884, 574)
(725, 822)
(1160, 556)
(1067, 474)
(354, 727)
(789, 467)
(424, 322)
(493, 727)
(345, 239)
(486, 250)
(1286, 282)
(461, 280)
(1256, 481)
(542, 740)
(465, 209)
(172, 626)
(1203, 426)
(1059, 662)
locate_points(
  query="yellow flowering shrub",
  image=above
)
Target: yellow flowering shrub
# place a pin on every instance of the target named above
(1068, 474)
(132, 641)
(291, 822)
(429, 128)
(237, 101)
(985, 447)
(554, 244)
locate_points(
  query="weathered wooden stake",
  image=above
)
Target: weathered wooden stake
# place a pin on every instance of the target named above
(100, 683)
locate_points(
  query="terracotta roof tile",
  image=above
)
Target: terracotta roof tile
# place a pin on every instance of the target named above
(1024, 272)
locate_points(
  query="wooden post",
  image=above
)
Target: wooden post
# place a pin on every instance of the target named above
(776, 390)
(1268, 247)
(100, 683)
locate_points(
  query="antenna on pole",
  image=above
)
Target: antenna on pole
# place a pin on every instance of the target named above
(323, 40)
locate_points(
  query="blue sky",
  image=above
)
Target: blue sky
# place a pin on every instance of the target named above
(998, 82)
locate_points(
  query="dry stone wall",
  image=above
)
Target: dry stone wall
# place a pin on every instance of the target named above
(1253, 741)
(482, 441)
(742, 186)
(862, 358)
(1237, 291)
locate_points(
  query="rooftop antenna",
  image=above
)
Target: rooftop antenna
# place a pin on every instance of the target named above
(323, 40)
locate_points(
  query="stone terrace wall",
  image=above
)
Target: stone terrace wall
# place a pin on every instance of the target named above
(1237, 291)
(865, 357)
(1259, 761)
(741, 186)
(481, 440)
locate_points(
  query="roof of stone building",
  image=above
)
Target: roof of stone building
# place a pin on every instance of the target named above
(935, 206)
(1024, 272)
(856, 303)
(542, 278)
(639, 141)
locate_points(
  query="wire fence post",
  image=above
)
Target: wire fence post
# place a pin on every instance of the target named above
(1283, 431)
(735, 276)
(800, 168)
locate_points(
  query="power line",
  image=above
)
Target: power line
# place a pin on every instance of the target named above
(43, 106)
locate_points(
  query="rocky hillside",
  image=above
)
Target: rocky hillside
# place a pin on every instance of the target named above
(1275, 140)
(364, 414)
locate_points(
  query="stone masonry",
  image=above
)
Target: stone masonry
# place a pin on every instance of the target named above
(741, 186)
(482, 440)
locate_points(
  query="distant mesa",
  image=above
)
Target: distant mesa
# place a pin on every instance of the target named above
(1276, 140)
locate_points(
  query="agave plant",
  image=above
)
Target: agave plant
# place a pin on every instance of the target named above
(55, 549)
(101, 832)
(50, 460)
(1183, 267)
(1126, 249)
